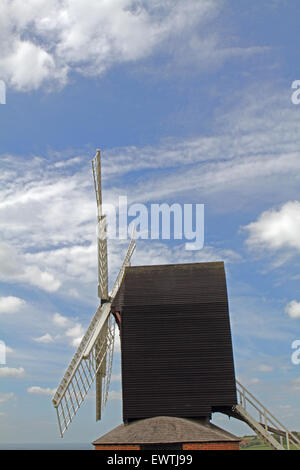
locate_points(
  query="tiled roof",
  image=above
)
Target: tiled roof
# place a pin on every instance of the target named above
(164, 429)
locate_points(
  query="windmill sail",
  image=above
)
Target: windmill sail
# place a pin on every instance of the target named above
(88, 358)
(102, 239)
(93, 358)
(102, 281)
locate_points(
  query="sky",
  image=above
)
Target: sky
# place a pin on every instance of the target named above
(190, 102)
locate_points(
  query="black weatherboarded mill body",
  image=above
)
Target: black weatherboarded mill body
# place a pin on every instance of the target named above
(176, 343)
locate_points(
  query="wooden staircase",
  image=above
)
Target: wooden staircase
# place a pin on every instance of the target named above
(265, 425)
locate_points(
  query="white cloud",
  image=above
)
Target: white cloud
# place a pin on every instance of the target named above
(160, 253)
(276, 229)
(9, 350)
(76, 333)
(28, 65)
(42, 279)
(115, 378)
(285, 407)
(73, 292)
(76, 341)
(73, 262)
(12, 372)
(254, 381)
(114, 395)
(293, 309)
(296, 385)
(60, 320)
(62, 329)
(43, 40)
(117, 342)
(57, 250)
(253, 149)
(6, 396)
(11, 304)
(68, 162)
(15, 267)
(45, 339)
(265, 368)
(73, 330)
(41, 391)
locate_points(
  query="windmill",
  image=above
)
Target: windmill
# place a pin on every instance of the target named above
(177, 358)
(93, 359)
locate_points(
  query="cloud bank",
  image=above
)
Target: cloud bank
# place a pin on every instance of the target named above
(276, 229)
(44, 40)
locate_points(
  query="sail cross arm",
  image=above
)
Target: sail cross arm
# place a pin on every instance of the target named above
(107, 305)
(105, 313)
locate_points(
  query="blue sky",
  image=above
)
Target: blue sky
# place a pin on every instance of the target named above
(190, 102)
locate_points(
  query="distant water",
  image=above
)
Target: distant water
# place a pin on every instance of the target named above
(47, 446)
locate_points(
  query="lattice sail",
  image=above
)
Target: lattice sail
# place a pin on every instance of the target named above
(82, 378)
(94, 349)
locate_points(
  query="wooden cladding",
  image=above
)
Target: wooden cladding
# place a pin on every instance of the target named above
(176, 344)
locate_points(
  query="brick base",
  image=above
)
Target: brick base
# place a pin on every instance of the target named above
(211, 446)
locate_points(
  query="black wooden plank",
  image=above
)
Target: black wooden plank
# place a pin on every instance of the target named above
(176, 344)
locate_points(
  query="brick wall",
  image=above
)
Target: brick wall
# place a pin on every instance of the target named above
(211, 446)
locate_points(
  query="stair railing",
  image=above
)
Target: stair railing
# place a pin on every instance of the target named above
(266, 418)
